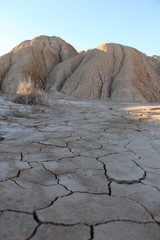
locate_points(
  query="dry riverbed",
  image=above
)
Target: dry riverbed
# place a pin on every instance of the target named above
(79, 170)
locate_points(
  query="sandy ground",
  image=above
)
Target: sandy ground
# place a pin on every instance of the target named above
(79, 170)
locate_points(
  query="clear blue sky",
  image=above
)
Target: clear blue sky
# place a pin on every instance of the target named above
(83, 23)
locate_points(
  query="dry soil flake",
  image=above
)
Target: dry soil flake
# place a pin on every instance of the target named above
(127, 230)
(50, 232)
(16, 225)
(93, 209)
(80, 171)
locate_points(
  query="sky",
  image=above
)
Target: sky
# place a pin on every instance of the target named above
(84, 24)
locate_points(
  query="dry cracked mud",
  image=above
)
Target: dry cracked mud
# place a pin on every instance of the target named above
(80, 170)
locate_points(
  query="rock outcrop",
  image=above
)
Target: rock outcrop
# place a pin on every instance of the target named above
(111, 71)
(155, 61)
(27, 66)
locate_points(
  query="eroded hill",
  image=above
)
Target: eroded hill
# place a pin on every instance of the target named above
(109, 72)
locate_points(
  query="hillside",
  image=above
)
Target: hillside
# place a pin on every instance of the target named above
(79, 159)
(109, 72)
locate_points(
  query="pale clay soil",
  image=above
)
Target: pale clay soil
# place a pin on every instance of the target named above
(79, 170)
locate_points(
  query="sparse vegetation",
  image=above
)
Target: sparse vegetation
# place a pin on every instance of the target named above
(30, 103)
(32, 99)
(29, 94)
(38, 102)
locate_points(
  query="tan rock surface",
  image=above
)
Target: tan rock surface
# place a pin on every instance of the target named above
(155, 61)
(25, 68)
(111, 71)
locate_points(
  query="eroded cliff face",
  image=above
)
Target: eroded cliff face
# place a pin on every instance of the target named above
(27, 66)
(155, 61)
(109, 72)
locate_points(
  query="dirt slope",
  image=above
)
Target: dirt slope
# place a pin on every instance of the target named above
(111, 71)
(27, 65)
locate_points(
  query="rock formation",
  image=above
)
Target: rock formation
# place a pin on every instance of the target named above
(27, 66)
(111, 71)
(155, 61)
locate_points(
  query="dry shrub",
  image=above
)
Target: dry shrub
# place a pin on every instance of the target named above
(30, 94)
(31, 99)
(25, 88)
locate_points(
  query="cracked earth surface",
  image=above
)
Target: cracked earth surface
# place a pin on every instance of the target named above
(80, 170)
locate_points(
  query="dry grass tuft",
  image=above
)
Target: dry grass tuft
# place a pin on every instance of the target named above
(32, 99)
(30, 94)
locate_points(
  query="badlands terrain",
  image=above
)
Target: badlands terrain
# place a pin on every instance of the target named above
(84, 162)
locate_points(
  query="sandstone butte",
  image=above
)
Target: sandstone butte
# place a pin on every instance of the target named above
(109, 72)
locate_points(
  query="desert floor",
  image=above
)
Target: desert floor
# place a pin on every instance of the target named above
(79, 170)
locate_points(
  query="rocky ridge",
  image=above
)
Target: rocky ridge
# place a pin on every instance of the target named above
(109, 72)
(24, 70)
